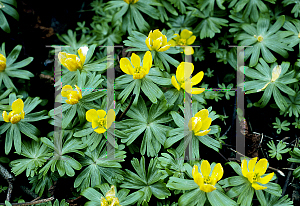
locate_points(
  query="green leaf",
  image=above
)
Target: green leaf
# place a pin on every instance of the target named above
(10, 11)
(217, 198)
(3, 23)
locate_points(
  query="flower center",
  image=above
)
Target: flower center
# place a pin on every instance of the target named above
(139, 73)
(259, 38)
(102, 122)
(256, 177)
(182, 42)
(207, 179)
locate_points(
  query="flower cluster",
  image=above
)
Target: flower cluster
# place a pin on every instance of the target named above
(200, 123)
(110, 198)
(72, 95)
(185, 38)
(157, 41)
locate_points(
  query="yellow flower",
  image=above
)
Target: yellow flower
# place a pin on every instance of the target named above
(16, 114)
(72, 95)
(2, 63)
(100, 119)
(131, 1)
(275, 74)
(137, 71)
(157, 41)
(110, 198)
(254, 176)
(185, 38)
(71, 61)
(200, 121)
(206, 182)
(183, 76)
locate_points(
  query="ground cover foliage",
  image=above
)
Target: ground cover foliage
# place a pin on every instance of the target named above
(145, 143)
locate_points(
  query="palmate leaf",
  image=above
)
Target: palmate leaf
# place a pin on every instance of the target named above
(41, 183)
(36, 155)
(150, 123)
(101, 164)
(296, 7)
(209, 4)
(263, 38)
(95, 197)
(148, 182)
(209, 25)
(277, 151)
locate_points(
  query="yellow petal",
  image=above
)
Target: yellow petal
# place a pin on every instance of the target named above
(2, 58)
(157, 43)
(258, 187)
(191, 40)
(197, 78)
(244, 167)
(66, 90)
(79, 91)
(185, 34)
(206, 124)
(197, 90)
(185, 69)
(103, 200)
(175, 83)
(5, 117)
(172, 42)
(198, 178)
(110, 195)
(164, 48)
(100, 130)
(135, 60)
(156, 34)
(2, 62)
(207, 188)
(82, 52)
(266, 179)
(101, 113)
(22, 114)
(177, 37)
(261, 166)
(217, 172)
(205, 168)
(91, 115)
(276, 73)
(110, 117)
(250, 176)
(202, 133)
(252, 164)
(198, 124)
(164, 40)
(147, 62)
(148, 42)
(17, 106)
(194, 124)
(203, 114)
(188, 50)
(95, 124)
(70, 61)
(126, 66)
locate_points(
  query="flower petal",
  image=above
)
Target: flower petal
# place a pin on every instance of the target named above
(147, 62)
(66, 90)
(188, 50)
(244, 167)
(217, 172)
(82, 52)
(126, 66)
(261, 166)
(251, 164)
(79, 91)
(197, 78)
(164, 48)
(203, 114)
(101, 113)
(175, 83)
(276, 72)
(266, 179)
(156, 34)
(95, 124)
(197, 176)
(148, 43)
(191, 40)
(135, 60)
(184, 69)
(17, 106)
(206, 123)
(157, 43)
(202, 133)
(172, 42)
(207, 188)
(5, 116)
(258, 187)
(205, 168)
(197, 90)
(185, 34)
(100, 130)
(91, 115)
(110, 117)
